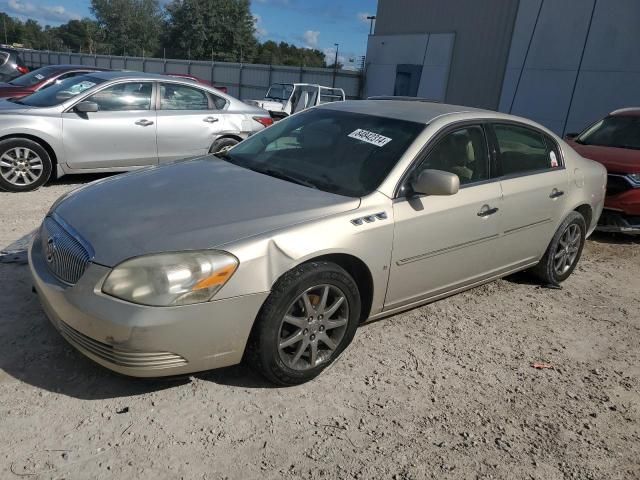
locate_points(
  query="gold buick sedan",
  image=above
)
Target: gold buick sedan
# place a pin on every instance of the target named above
(276, 250)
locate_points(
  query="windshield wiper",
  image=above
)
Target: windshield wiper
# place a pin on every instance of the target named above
(286, 177)
(13, 100)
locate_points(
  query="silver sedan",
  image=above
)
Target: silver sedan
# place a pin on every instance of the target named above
(116, 121)
(277, 249)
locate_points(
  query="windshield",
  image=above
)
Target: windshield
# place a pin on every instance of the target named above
(60, 92)
(617, 131)
(31, 78)
(280, 91)
(335, 151)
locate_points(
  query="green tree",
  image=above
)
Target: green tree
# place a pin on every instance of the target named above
(79, 35)
(130, 26)
(284, 53)
(12, 29)
(202, 28)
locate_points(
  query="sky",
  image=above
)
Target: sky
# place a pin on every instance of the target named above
(305, 23)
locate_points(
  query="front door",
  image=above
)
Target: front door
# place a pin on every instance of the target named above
(446, 242)
(188, 121)
(122, 133)
(534, 182)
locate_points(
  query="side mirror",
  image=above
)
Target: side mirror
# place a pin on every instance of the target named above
(436, 182)
(86, 107)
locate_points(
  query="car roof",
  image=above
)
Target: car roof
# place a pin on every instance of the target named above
(418, 111)
(75, 67)
(114, 74)
(626, 112)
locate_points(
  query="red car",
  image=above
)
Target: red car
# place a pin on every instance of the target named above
(197, 80)
(42, 77)
(614, 141)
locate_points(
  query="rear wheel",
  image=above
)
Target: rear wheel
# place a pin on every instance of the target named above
(307, 321)
(222, 145)
(564, 251)
(24, 165)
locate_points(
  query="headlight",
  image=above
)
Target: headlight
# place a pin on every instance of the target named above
(634, 177)
(169, 279)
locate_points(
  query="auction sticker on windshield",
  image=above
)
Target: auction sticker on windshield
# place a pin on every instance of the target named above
(370, 137)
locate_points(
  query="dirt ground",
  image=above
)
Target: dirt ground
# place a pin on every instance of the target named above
(445, 391)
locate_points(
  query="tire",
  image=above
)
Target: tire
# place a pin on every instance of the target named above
(24, 165)
(223, 144)
(279, 364)
(562, 247)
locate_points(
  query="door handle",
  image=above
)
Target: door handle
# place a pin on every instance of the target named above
(556, 193)
(487, 211)
(210, 119)
(144, 122)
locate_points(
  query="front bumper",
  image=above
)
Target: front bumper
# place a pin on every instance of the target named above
(139, 340)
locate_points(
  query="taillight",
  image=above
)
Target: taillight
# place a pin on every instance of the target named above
(266, 121)
(22, 69)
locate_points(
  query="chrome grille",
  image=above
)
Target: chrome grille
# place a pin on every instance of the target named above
(66, 254)
(118, 356)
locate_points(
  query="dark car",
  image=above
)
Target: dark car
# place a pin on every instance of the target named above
(193, 78)
(11, 64)
(41, 78)
(614, 141)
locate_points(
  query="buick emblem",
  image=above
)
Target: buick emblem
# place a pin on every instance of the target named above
(51, 249)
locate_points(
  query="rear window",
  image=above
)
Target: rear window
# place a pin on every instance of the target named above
(336, 151)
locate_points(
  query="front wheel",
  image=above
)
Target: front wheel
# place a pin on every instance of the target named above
(310, 317)
(564, 251)
(24, 165)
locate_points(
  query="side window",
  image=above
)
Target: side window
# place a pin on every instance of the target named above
(218, 102)
(174, 96)
(463, 152)
(555, 158)
(124, 97)
(524, 150)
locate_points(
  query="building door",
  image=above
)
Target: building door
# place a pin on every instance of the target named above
(407, 80)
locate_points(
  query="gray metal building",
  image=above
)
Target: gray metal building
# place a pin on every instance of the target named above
(563, 63)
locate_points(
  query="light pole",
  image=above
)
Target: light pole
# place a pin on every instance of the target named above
(335, 66)
(372, 19)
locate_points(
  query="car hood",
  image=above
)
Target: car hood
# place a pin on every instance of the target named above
(616, 160)
(7, 107)
(190, 205)
(9, 91)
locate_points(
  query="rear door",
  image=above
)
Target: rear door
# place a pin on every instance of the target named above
(189, 121)
(534, 185)
(122, 133)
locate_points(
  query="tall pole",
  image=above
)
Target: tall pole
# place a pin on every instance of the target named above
(4, 23)
(371, 18)
(335, 65)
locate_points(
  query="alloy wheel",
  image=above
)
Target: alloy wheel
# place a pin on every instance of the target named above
(313, 327)
(21, 166)
(568, 248)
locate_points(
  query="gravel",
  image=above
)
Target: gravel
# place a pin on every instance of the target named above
(445, 391)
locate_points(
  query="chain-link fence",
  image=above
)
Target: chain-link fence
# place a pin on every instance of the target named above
(243, 81)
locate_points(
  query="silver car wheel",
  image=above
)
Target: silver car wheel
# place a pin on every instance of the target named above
(313, 327)
(21, 166)
(568, 248)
